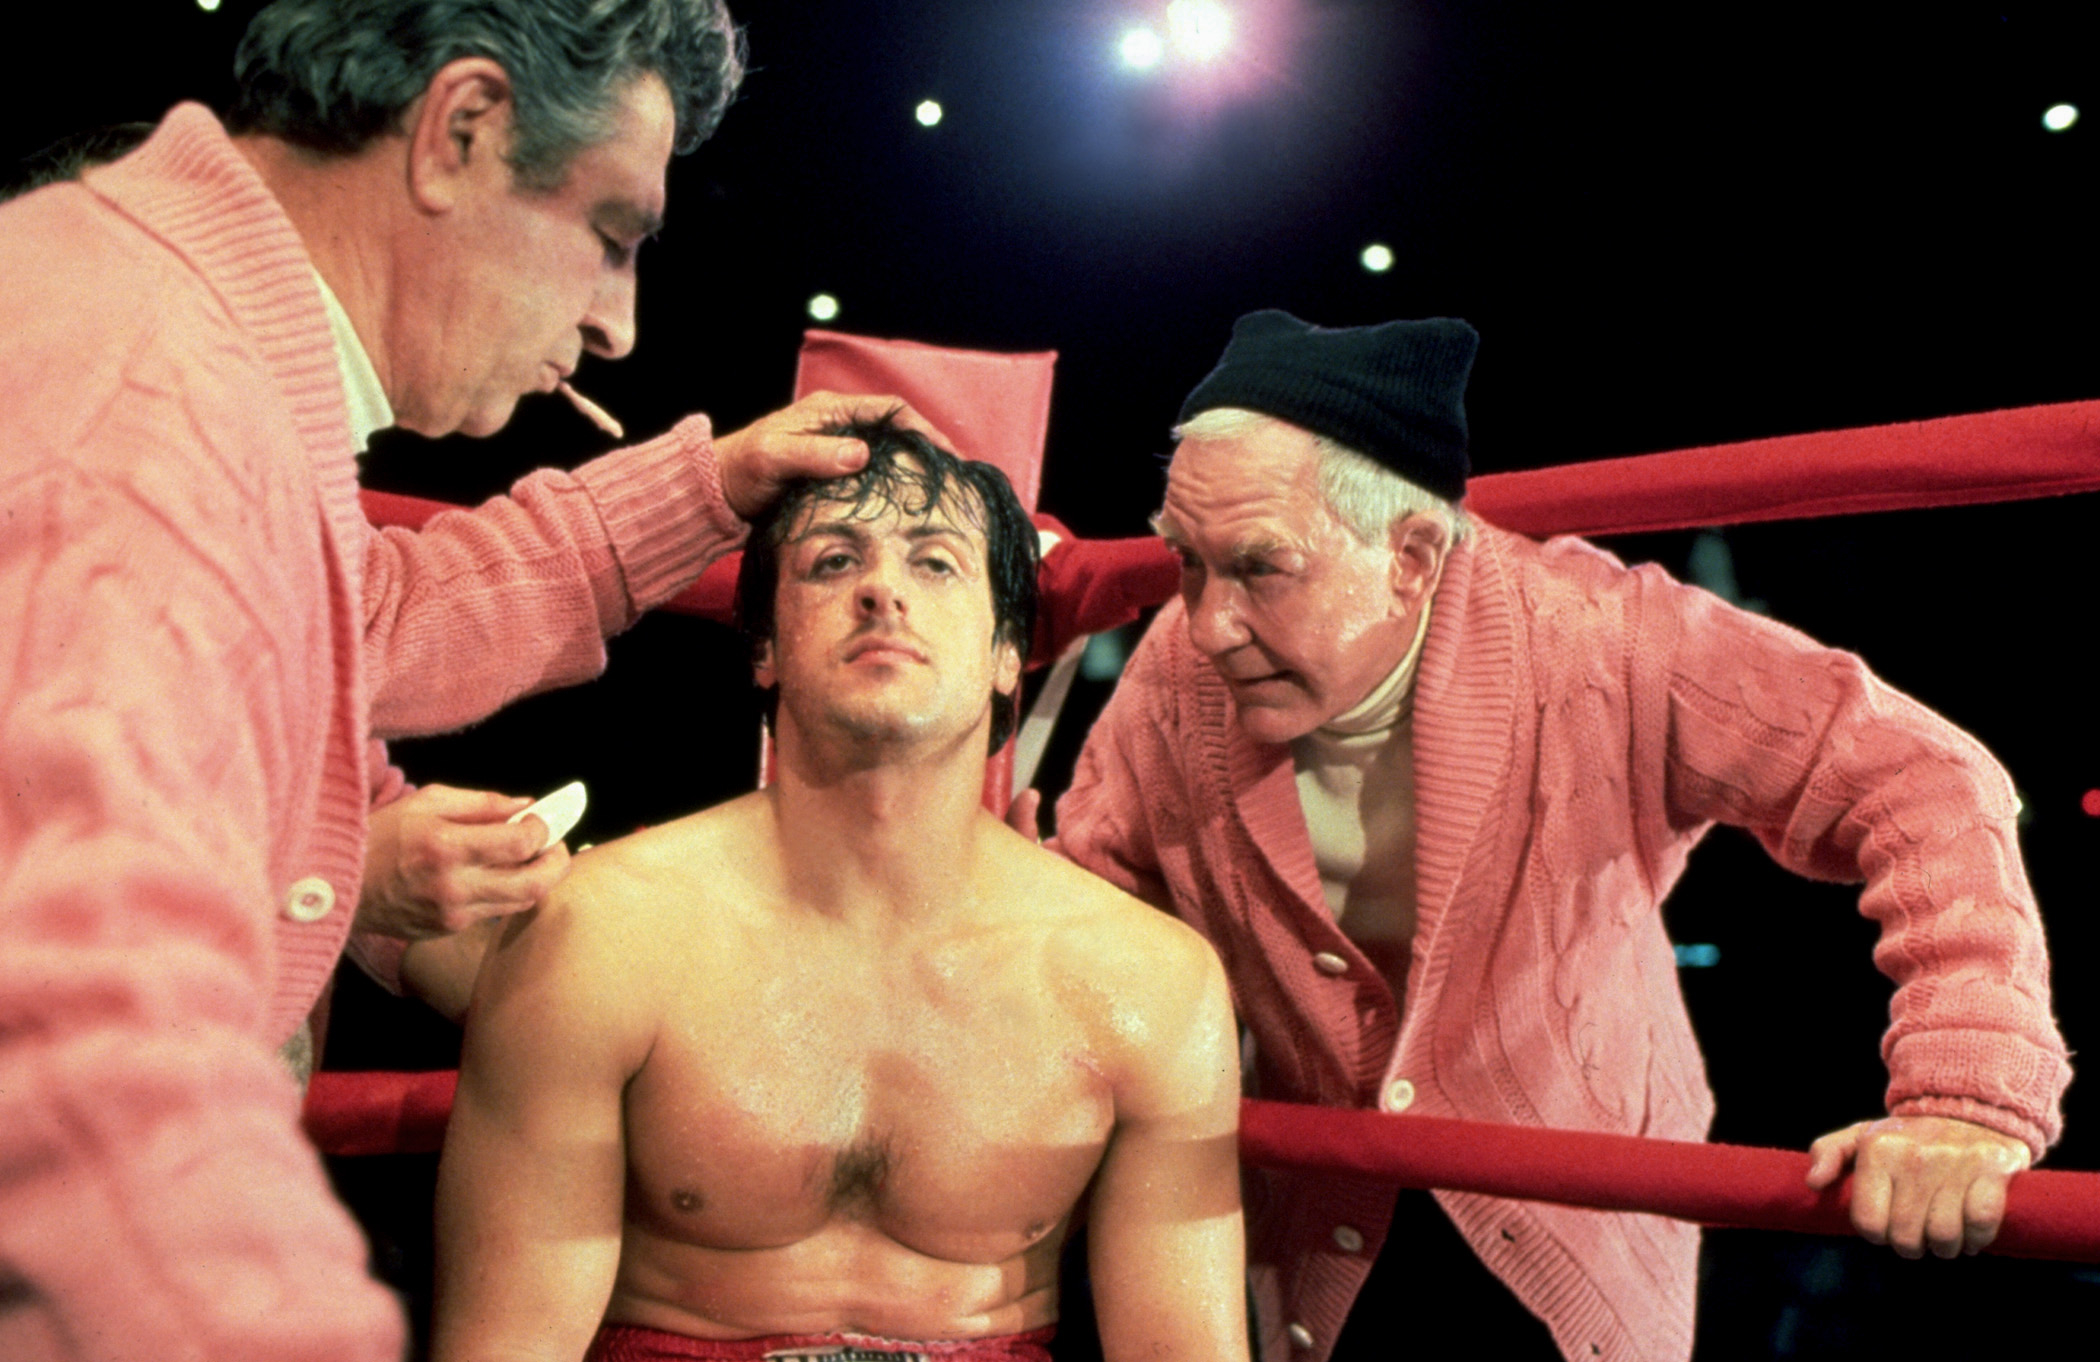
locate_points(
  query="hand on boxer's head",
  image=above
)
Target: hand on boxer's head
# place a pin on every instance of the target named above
(785, 445)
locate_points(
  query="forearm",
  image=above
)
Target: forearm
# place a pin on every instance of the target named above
(528, 1244)
(441, 971)
(1182, 1297)
(1170, 1281)
(1843, 778)
(518, 595)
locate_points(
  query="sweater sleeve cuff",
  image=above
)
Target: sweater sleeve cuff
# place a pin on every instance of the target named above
(663, 509)
(1989, 1078)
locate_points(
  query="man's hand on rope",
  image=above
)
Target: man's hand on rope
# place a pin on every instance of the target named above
(785, 445)
(1922, 1182)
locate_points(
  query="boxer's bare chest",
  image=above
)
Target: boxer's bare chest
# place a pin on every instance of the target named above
(948, 1098)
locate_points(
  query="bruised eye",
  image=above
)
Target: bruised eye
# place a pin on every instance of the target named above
(933, 563)
(618, 254)
(837, 560)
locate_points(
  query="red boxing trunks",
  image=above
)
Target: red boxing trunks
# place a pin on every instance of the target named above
(628, 1343)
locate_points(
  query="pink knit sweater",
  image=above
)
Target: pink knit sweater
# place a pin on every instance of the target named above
(1578, 728)
(198, 634)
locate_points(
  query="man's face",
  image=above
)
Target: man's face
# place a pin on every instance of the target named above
(1298, 616)
(884, 628)
(510, 290)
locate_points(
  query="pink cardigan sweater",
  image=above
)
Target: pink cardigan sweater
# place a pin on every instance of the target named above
(198, 634)
(1578, 728)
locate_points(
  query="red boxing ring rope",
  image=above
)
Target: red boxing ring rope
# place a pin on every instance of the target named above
(1090, 586)
(2048, 1214)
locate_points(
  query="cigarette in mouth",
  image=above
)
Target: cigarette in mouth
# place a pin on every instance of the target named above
(595, 414)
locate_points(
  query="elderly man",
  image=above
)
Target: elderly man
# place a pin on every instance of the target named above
(824, 1072)
(1425, 784)
(425, 209)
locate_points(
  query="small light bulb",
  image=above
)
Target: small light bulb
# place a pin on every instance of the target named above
(928, 113)
(2060, 116)
(823, 307)
(207, 5)
(1377, 257)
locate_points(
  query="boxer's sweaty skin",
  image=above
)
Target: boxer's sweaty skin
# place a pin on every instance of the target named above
(843, 1056)
(821, 1122)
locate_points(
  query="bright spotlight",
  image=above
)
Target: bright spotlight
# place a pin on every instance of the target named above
(1201, 28)
(1141, 49)
(928, 113)
(823, 307)
(207, 5)
(1377, 257)
(2060, 117)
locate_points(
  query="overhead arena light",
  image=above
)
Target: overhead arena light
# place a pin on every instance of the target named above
(2060, 117)
(1141, 49)
(1377, 257)
(1201, 29)
(928, 113)
(824, 307)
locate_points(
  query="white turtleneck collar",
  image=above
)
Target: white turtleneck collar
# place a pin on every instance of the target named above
(1355, 779)
(362, 394)
(1375, 716)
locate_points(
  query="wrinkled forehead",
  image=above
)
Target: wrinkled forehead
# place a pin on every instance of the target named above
(1233, 489)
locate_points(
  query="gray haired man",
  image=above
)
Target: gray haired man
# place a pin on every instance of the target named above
(418, 211)
(1425, 784)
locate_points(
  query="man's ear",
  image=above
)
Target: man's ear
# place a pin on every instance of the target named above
(1419, 544)
(459, 132)
(1006, 667)
(762, 674)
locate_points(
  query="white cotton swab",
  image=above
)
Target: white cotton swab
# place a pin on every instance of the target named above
(560, 811)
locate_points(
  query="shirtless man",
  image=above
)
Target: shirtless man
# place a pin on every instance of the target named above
(832, 1065)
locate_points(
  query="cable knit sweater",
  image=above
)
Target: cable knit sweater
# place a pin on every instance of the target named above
(1578, 727)
(198, 634)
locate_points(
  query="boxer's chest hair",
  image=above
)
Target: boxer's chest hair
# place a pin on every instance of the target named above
(801, 1110)
(859, 1172)
(850, 1182)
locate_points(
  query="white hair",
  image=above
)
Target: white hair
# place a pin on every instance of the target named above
(1364, 494)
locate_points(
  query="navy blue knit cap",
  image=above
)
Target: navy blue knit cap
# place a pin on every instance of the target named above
(1395, 392)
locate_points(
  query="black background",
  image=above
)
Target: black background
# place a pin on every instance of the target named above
(1673, 226)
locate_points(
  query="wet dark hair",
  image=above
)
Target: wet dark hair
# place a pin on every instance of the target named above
(333, 75)
(908, 473)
